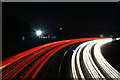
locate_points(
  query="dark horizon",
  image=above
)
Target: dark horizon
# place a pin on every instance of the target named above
(76, 19)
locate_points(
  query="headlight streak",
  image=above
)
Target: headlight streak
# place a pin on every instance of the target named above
(74, 72)
(91, 66)
(104, 65)
(89, 63)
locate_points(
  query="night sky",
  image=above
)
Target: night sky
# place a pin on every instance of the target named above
(77, 19)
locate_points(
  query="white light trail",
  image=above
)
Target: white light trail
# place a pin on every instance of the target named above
(74, 59)
(104, 65)
(89, 63)
(97, 68)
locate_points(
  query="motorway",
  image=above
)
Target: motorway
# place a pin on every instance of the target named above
(56, 61)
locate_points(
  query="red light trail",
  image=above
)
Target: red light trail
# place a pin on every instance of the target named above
(38, 56)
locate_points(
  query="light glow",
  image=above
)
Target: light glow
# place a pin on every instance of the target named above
(83, 55)
(38, 32)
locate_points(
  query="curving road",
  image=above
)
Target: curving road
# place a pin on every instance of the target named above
(37, 63)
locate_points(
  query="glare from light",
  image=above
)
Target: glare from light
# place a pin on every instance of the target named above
(117, 38)
(38, 32)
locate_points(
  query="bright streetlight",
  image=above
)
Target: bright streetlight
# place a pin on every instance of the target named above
(38, 32)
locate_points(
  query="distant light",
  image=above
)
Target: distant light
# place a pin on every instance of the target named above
(101, 35)
(61, 28)
(44, 37)
(23, 38)
(38, 32)
(53, 37)
(111, 35)
(117, 38)
(72, 50)
(48, 35)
